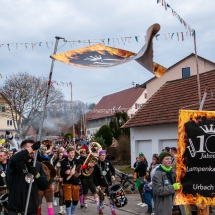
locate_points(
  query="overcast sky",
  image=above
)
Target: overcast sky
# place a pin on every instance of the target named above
(32, 21)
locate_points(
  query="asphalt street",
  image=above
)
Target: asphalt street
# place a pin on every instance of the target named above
(129, 209)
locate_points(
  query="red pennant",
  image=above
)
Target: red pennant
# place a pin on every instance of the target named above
(182, 36)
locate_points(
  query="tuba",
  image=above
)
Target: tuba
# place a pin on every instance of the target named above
(94, 149)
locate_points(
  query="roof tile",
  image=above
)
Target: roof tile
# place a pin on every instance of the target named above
(163, 107)
(124, 99)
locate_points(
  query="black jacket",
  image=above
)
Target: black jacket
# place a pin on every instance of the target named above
(18, 169)
(4, 181)
(98, 178)
(65, 165)
(141, 168)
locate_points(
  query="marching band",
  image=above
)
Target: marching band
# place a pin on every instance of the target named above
(65, 172)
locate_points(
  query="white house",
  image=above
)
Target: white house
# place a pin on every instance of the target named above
(155, 125)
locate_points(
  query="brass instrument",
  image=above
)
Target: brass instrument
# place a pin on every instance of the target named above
(89, 170)
(48, 144)
(49, 170)
(94, 149)
(57, 183)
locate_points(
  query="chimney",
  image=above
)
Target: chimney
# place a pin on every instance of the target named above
(137, 85)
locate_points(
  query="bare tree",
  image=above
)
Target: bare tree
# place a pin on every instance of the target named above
(26, 95)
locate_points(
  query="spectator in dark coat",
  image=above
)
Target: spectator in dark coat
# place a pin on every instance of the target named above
(20, 165)
(139, 173)
(164, 186)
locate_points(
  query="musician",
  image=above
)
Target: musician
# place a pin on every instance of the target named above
(70, 171)
(48, 193)
(103, 175)
(20, 165)
(59, 182)
(3, 173)
(13, 142)
(87, 181)
(43, 154)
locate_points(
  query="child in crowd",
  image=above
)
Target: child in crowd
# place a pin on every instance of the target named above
(147, 192)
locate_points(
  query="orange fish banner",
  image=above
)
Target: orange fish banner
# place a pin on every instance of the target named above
(195, 168)
(101, 56)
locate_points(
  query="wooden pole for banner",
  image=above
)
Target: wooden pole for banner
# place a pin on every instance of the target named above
(197, 66)
(41, 122)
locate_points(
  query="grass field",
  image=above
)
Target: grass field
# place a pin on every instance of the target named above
(124, 168)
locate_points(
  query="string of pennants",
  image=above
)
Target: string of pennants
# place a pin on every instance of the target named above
(41, 83)
(108, 41)
(175, 14)
(180, 35)
(76, 110)
(122, 40)
(60, 104)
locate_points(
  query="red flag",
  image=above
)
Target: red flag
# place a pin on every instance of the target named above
(172, 12)
(182, 36)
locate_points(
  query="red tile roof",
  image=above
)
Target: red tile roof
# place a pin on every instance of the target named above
(163, 107)
(124, 99)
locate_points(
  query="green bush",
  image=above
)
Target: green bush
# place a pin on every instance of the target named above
(67, 135)
(106, 134)
(101, 141)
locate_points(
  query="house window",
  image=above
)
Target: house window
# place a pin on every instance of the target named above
(88, 131)
(185, 72)
(9, 122)
(3, 108)
(139, 106)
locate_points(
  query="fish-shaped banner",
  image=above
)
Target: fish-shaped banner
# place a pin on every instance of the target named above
(101, 56)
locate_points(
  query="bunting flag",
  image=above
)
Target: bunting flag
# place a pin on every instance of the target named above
(124, 40)
(172, 34)
(89, 41)
(156, 36)
(53, 83)
(181, 20)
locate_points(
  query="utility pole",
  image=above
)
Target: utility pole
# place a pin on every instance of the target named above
(84, 121)
(197, 66)
(41, 122)
(72, 108)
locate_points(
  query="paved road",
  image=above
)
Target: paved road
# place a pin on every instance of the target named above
(129, 209)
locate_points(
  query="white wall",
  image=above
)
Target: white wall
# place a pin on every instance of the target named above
(152, 139)
(176, 73)
(140, 100)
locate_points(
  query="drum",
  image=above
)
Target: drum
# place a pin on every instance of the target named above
(4, 201)
(117, 195)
